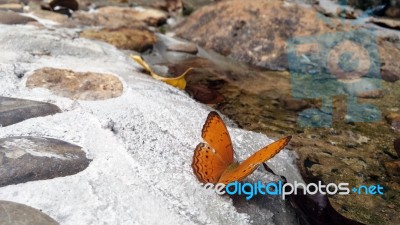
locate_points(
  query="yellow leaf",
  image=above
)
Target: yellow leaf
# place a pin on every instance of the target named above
(178, 82)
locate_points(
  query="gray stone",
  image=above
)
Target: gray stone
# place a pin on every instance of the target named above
(24, 159)
(12, 213)
(13, 110)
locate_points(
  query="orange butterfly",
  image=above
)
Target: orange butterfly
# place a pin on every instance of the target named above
(213, 161)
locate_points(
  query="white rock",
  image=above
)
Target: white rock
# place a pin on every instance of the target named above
(141, 143)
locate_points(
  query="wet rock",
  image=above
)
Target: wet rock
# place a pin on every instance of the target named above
(12, 213)
(389, 53)
(393, 168)
(76, 85)
(50, 16)
(255, 32)
(294, 104)
(394, 120)
(138, 39)
(192, 5)
(389, 76)
(13, 110)
(152, 17)
(26, 159)
(69, 4)
(116, 17)
(9, 1)
(16, 7)
(394, 11)
(396, 144)
(263, 42)
(204, 94)
(385, 22)
(346, 13)
(65, 7)
(183, 47)
(14, 18)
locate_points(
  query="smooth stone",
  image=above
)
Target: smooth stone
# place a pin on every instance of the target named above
(76, 85)
(394, 120)
(9, 1)
(14, 110)
(14, 18)
(247, 38)
(24, 159)
(264, 42)
(386, 22)
(52, 16)
(389, 53)
(138, 39)
(152, 17)
(183, 47)
(12, 213)
(12, 6)
(389, 76)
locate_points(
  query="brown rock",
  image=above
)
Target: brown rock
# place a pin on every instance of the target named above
(370, 94)
(125, 38)
(394, 120)
(52, 16)
(183, 47)
(396, 144)
(204, 94)
(14, 18)
(294, 104)
(254, 32)
(386, 22)
(389, 76)
(389, 54)
(12, 213)
(393, 168)
(76, 85)
(346, 13)
(152, 17)
(393, 12)
(16, 7)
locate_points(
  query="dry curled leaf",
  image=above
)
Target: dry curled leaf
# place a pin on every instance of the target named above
(178, 82)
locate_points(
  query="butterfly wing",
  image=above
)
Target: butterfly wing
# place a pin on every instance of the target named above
(217, 137)
(249, 165)
(207, 164)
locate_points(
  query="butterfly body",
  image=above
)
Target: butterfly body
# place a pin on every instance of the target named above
(213, 161)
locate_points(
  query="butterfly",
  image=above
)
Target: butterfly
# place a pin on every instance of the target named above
(213, 161)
